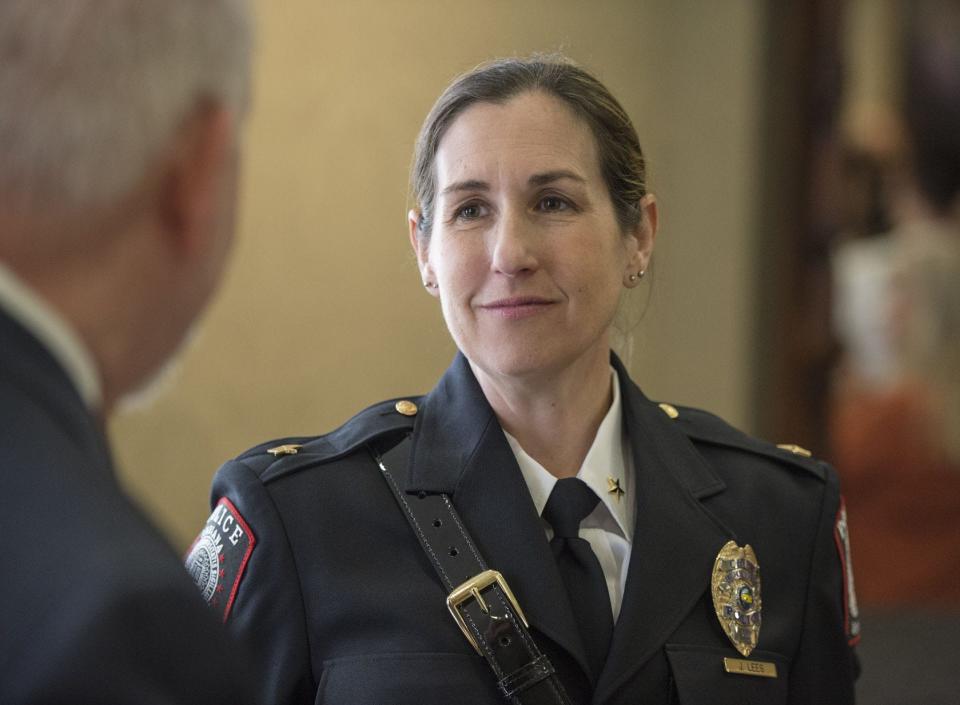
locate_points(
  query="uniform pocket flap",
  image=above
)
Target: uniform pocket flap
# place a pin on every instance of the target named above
(700, 678)
(408, 679)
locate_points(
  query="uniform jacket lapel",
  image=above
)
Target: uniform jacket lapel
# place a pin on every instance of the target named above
(675, 539)
(459, 449)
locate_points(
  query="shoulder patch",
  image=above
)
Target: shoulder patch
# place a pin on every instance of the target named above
(219, 556)
(851, 611)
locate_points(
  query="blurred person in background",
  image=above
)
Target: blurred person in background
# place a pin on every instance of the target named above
(896, 420)
(119, 126)
(639, 539)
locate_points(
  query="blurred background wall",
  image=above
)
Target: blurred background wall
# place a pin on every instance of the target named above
(323, 312)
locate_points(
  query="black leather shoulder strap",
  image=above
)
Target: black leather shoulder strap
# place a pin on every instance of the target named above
(479, 599)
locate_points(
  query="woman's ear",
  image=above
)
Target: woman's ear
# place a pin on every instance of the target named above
(644, 235)
(421, 249)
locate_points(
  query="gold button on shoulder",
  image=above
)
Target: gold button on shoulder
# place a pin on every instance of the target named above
(406, 407)
(670, 410)
(795, 449)
(286, 449)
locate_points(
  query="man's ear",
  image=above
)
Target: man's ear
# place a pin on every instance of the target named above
(420, 245)
(200, 165)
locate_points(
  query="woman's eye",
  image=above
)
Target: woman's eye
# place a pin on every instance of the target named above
(553, 204)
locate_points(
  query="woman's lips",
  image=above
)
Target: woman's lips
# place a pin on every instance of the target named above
(517, 307)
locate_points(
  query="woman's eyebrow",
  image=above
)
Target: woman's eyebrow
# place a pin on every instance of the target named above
(535, 180)
(551, 176)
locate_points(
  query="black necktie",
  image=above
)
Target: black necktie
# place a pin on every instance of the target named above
(569, 503)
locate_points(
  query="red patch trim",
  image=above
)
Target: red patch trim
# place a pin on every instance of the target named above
(845, 575)
(246, 556)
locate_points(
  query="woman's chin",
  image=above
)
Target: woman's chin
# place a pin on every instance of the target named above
(523, 363)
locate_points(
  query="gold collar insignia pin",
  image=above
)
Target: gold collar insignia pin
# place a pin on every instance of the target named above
(286, 449)
(614, 488)
(735, 586)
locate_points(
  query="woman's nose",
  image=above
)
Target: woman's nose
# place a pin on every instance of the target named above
(514, 246)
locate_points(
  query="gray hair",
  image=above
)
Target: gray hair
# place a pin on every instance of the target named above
(92, 91)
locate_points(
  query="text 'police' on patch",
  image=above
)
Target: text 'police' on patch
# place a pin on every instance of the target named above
(218, 557)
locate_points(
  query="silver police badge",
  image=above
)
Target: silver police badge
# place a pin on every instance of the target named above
(735, 586)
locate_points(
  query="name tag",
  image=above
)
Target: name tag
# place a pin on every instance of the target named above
(764, 669)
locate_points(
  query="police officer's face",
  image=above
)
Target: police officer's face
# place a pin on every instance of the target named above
(526, 251)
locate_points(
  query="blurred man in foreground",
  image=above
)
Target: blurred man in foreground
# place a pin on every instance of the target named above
(118, 164)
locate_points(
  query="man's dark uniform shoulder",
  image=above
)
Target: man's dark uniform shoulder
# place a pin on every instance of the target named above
(95, 606)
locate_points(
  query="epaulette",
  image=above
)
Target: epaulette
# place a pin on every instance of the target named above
(704, 427)
(282, 456)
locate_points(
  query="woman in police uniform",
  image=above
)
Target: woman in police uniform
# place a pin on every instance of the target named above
(657, 554)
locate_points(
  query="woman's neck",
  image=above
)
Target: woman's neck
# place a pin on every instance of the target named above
(553, 417)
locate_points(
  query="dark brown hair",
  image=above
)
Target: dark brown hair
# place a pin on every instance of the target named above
(618, 148)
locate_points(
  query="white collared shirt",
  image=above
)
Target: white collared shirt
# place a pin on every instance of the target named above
(609, 527)
(63, 343)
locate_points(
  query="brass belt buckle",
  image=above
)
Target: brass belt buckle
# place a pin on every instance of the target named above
(471, 590)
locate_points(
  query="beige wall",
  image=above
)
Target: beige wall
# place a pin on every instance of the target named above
(323, 312)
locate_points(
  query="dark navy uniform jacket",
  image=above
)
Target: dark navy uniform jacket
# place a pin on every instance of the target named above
(334, 589)
(94, 605)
